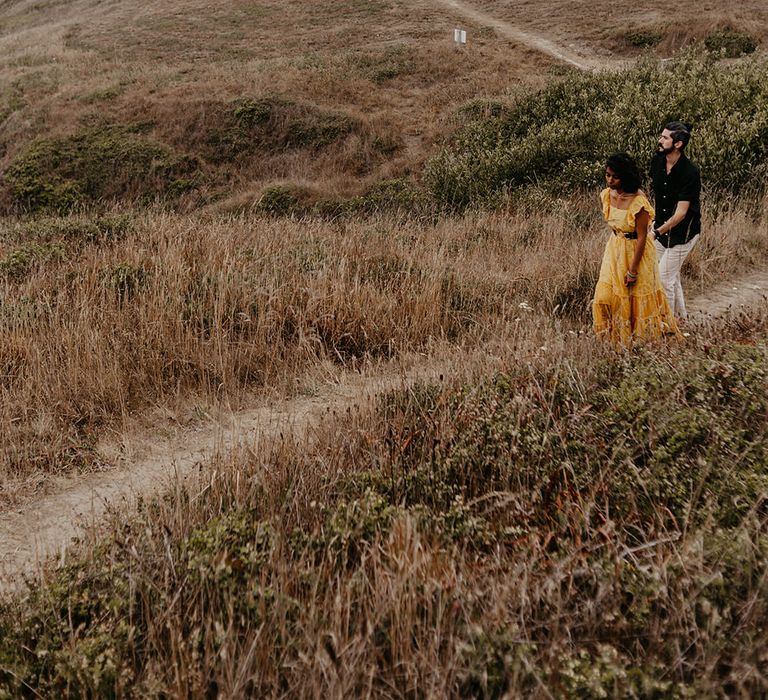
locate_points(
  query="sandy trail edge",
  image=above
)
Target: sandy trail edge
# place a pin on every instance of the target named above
(730, 297)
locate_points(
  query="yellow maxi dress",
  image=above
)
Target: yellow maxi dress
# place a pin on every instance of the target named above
(625, 314)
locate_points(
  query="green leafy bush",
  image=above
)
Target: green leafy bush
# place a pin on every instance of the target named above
(643, 38)
(124, 279)
(19, 262)
(559, 137)
(730, 43)
(279, 200)
(101, 164)
(105, 228)
(651, 437)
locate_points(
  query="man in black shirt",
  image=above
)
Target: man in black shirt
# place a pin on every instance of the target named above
(677, 191)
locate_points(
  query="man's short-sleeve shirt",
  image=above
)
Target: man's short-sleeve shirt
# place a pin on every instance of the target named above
(681, 184)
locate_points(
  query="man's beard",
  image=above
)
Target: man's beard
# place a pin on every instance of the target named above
(666, 151)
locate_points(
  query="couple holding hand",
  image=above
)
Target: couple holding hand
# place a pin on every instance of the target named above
(639, 295)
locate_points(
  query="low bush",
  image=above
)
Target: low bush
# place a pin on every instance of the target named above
(250, 126)
(279, 200)
(643, 38)
(649, 439)
(730, 43)
(17, 263)
(105, 228)
(94, 166)
(383, 66)
(390, 195)
(559, 137)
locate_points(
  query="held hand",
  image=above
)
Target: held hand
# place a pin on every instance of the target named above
(630, 278)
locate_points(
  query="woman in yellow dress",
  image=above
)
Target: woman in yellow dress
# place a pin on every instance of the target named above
(629, 303)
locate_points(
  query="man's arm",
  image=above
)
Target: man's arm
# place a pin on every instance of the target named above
(679, 214)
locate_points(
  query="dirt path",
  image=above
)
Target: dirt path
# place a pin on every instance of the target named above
(45, 527)
(583, 59)
(730, 297)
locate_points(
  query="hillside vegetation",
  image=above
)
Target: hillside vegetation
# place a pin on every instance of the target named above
(558, 138)
(203, 206)
(581, 525)
(214, 108)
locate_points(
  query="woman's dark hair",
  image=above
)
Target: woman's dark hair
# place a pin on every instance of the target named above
(626, 170)
(680, 132)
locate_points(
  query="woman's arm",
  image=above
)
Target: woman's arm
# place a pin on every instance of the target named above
(641, 227)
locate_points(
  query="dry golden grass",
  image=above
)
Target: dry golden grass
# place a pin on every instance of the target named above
(104, 325)
(97, 329)
(601, 26)
(280, 574)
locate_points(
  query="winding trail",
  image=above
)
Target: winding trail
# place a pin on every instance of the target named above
(585, 61)
(45, 527)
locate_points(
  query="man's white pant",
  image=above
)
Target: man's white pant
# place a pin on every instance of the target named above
(670, 262)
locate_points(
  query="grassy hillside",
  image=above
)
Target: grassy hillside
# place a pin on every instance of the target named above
(583, 524)
(605, 28)
(327, 98)
(204, 205)
(210, 107)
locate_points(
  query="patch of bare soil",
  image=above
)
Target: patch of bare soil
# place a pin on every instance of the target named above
(730, 297)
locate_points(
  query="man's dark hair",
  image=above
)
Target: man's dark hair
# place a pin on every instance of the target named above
(680, 132)
(626, 170)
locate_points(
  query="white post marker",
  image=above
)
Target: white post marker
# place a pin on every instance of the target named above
(459, 37)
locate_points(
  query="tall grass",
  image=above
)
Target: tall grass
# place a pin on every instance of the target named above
(105, 317)
(580, 525)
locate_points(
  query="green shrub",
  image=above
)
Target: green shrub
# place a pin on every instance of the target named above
(278, 200)
(643, 38)
(93, 166)
(228, 551)
(606, 673)
(488, 662)
(19, 262)
(106, 228)
(559, 137)
(389, 195)
(730, 43)
(250, 126)
(656, 438)
(351, 527)
(317, 130)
